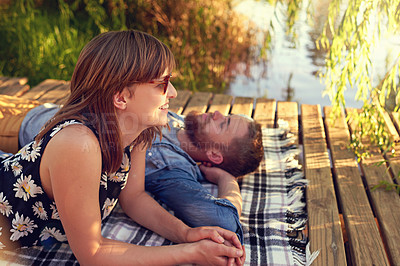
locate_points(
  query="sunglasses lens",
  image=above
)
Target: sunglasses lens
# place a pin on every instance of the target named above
(166, 87)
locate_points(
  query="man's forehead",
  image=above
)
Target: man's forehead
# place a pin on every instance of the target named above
(246, 117)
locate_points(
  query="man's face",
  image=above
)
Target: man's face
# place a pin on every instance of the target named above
(207, 130)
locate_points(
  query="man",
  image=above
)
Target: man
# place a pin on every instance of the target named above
(233, 144)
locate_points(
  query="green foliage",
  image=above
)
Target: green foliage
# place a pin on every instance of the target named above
(207, 37)
(352, 31)
(43, 38)
(37, 43)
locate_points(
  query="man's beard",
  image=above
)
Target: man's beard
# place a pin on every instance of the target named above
(192, 128)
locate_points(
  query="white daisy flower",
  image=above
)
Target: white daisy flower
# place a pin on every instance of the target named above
(52, 232)
(54, 214)
(24, 152)
(108, 206)
(16, 168)
(103, 180)
(21, 227)
(39, 211)
(6, 164)
(26, 188)
(125, 163)
(35, 151)
(61, 126)
(5, 207)
(116, 177)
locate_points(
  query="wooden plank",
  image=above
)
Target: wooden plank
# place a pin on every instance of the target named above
(221, 103)
(14, 90)
(56, 94)
(390, 127)
(3, 79)
(394, 159)
(177, 104)
(42, 88)
(243, 105)
(12, 112)
(289, 112)
(264, 112)
(199, 102)
(18, 104)
(366, 245)
(14, 86)
(383, 202)
(396, 120)
(7, 81)
(323, 216)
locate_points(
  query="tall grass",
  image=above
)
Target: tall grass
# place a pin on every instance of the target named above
(42, 38)
(37, 44)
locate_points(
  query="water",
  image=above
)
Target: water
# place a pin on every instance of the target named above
(289, 74)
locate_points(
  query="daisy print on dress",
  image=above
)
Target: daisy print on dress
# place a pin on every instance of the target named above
(5, 207)
(125, 163)
(61, 126)
(54, 214)
(7, 162)
(24, 152)
(26, 188)
(39, 210)
(32, 155)
(21, 227)
(108, 206)
(117, 177)
(103, 180)
(52, 232)
(16, 167)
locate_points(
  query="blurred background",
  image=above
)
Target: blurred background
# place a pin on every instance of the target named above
(265, 48)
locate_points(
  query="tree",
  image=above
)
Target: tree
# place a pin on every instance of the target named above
(353, 30)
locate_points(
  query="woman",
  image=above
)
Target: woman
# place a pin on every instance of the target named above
(92, 154)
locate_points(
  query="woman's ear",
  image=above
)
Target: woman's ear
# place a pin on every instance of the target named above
(215, 156)
(120, 100)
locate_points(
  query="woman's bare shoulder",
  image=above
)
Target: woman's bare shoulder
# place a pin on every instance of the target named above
(74, 140)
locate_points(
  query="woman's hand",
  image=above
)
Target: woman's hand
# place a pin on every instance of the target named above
(220, 236)
(206, 252)
(214, 233)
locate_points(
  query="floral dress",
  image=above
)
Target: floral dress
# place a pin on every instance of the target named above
(28, 217)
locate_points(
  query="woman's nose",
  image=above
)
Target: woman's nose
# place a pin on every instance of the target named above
(171, 91)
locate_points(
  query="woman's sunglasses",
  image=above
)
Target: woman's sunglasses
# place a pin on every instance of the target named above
(165, 82)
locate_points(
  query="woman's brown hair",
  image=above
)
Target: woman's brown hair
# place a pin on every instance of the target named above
(109, 63)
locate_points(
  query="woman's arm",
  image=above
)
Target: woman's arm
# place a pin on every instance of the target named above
(70, 170)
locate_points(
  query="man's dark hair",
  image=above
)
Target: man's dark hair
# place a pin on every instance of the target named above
(243, 155)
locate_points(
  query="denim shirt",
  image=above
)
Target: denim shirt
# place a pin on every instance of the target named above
(167, 153)
(174, 178)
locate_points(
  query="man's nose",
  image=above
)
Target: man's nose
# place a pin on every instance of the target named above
(217, 115)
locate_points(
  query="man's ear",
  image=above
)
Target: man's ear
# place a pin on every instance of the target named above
(215, 156)
(120, 100)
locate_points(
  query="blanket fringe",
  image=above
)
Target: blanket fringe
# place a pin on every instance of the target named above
(296, 214)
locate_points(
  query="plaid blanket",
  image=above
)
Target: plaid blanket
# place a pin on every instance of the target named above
(273, 215)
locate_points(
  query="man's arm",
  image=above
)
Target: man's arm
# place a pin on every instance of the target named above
(193, 203)
(228, 188)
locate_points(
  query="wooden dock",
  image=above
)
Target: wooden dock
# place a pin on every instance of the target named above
(349, 223)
